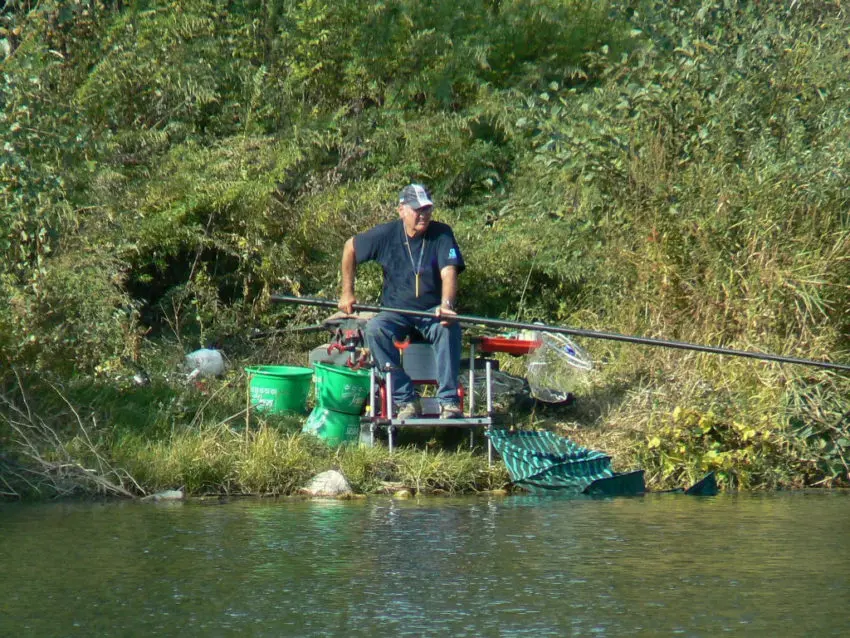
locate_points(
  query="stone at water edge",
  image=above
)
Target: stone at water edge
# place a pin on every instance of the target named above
(330, 483)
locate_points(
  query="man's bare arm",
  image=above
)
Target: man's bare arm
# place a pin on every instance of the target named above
(349, 273)
(449, 294)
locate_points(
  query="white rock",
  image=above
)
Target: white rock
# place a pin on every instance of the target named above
(330, 483)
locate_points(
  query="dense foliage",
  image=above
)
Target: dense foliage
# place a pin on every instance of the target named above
(669, 169)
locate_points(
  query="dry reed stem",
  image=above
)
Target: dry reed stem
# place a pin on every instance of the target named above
(37, 441)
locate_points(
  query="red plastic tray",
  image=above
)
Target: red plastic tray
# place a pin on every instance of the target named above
(506, 344)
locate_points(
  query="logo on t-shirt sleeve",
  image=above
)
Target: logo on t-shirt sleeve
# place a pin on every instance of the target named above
(452, 254)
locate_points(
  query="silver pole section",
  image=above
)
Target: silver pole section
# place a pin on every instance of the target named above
(471, 392)
(372, 406)
(389, 386)
(472, 379)
(489, 412)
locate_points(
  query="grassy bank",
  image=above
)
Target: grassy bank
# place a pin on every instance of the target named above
(268, 461)
(198, 438)
(96, 437)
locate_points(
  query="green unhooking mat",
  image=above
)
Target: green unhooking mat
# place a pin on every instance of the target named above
(545, 461)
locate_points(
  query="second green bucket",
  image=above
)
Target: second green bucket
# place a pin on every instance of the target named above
(334, 428)
(341, 389)
(279, 389)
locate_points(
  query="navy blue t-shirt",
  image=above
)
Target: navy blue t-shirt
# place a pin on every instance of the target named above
(388, 245)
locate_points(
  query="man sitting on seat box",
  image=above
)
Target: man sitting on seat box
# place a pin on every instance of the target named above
(421, 261)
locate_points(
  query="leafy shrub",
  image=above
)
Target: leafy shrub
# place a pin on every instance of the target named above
(692, 443)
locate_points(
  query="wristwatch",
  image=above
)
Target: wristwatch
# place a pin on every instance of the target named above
(448, 304)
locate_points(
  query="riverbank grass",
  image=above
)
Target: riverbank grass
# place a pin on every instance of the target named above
(217, 459)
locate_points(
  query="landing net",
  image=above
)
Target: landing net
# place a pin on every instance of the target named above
(556, 367)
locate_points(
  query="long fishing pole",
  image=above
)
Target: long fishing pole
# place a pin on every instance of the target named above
(577, 332)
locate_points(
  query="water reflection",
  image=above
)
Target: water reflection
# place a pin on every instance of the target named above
(768, 564)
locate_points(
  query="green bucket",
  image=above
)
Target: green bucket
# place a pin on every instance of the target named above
(334, 428)
(341, 389)
(279, 389)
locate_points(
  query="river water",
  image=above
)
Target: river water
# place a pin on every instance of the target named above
(665, 564)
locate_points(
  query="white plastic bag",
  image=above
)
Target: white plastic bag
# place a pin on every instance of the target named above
(205, 363)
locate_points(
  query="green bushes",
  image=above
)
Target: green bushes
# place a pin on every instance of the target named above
(669, 170)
